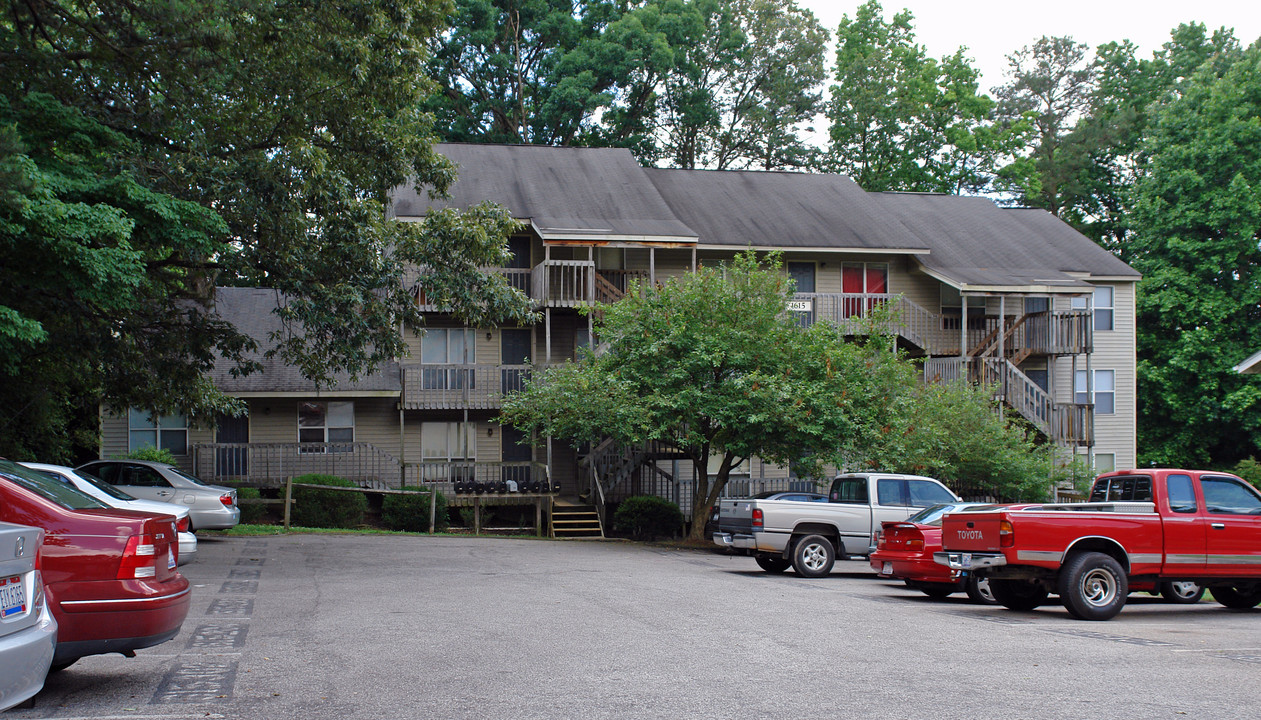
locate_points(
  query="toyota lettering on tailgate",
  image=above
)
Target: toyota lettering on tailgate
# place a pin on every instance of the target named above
(970, 535)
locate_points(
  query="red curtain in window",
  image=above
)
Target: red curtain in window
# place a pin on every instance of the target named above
(851, 282)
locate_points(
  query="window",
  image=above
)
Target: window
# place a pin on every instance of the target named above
(440, 348)
(1105, 391)
(1228, 496)
(1181, 494)
(862, 279)
(715, 462)
(582, 339)
(1104, 305)
(326, 422)
(952, 309)
(1105, 463)
(166, 432)
(925, 493)
(1037, 305)
(1122, 488)
(448, 441)
(849, 490)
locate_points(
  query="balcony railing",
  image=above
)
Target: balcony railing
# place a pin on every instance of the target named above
(270, 464)
(457, 386)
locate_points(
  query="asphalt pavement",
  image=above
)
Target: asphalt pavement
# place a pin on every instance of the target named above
(333, 627)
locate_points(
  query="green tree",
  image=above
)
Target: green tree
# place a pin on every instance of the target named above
(1197, 227)
(744, 85)
(903, 121)
(712, 363)
(151, 152)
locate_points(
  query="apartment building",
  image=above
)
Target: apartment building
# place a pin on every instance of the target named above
(1012, 297)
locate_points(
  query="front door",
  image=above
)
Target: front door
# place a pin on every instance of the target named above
(802, 274)
(231, 461)
(517, 454)
(1234, 525)
(514, 356)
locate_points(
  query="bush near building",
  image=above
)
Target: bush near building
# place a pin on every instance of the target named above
(411, 512)
(315, 507)
(646, 517)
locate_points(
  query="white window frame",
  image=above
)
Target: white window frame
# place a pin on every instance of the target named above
(1105, 463)
(1080, 393)
(331, 411)
(141, 422)
(1104, 303)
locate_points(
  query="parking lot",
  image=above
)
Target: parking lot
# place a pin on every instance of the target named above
(326, 626)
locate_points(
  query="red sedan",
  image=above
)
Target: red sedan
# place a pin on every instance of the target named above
(904, 551)
(109, 575)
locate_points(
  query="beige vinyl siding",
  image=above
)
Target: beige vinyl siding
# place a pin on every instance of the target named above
(114, 441)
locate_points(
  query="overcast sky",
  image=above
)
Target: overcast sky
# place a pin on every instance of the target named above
(992, 30)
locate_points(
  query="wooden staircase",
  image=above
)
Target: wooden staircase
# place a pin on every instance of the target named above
(575, 521)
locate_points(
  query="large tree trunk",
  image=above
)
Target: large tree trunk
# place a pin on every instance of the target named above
(705, 495)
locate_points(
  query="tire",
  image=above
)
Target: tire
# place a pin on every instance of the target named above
(1181, 593)
(978, 590)
(1233, 597)
(813, 556)
(937, 591)
(1093, 586)
(1017, 594)
(773, 565)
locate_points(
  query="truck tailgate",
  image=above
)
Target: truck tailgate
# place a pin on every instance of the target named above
(736, 516)
(971, 532)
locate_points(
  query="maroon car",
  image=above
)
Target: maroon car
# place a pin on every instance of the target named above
(109, 575)
(904, 551)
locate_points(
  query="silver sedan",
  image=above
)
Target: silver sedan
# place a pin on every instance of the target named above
(210, 507)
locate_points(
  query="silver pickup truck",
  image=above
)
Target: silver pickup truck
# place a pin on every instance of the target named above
(810, 536)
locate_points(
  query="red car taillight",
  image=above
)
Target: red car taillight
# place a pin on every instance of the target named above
(757, 518)
(1006, 535)
(139, 558)
(877, 538)
(226, 499)
(181, 525)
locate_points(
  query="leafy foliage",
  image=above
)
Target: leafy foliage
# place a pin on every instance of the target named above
(1197, 221)
(318, 508)
(903, 121)
(411, 512)
(1249, 469)
(151, 152)
(251, 513)
(647, 517)
(151, 453)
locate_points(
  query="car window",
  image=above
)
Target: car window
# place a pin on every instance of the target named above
(924, 493)
(1181, 494)
(44, 486)
(849, 490)
(186, 476)
(931, 515)
(1228, 496)
(1122, 488)
(109, 472)
(142, 476)
(892, 492)
(103, 486)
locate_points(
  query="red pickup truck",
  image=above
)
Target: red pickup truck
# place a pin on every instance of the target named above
(1140, 526)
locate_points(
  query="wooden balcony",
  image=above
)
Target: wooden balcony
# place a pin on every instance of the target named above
(457, 386)
(554, 283)
(1069, 424)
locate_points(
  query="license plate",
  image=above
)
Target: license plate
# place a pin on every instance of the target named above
(12, 596)
(887, 569)
(966, 560)
(170, 558)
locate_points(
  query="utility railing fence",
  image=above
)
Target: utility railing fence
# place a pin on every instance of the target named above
(270, 464)
(563, 283)
(456, 386)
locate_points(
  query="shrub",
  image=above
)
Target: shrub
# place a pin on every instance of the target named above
(152, 454)
(647, 517)
(318, 508)
(251, 513)
(1249, 469)
(411, 512)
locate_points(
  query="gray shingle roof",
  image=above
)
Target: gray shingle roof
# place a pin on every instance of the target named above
(975, 243)
(251, 310)
(781, 209)
(564, 192)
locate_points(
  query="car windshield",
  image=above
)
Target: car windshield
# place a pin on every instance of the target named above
(46, 487)
(103, 486)
(933, 514)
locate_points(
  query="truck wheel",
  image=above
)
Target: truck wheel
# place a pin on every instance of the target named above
(1017, 594)
(1093, 586)
(1182, 593)
(813, 556)
(772, 564)
(978, 590)
(1233, 597)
